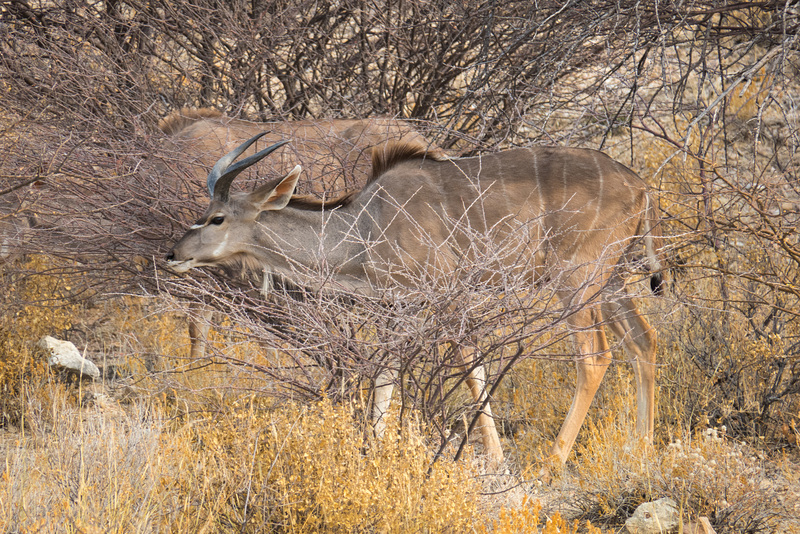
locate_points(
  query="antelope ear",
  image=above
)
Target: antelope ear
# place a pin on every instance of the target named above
(276, 197)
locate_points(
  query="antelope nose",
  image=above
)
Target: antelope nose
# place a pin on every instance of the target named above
(170, 255)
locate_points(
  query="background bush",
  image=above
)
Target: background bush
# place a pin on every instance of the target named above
(700, 98)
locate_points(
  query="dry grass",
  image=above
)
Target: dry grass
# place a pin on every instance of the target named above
(83, 471)
(193, 448)
(301, 469)
(193, 451)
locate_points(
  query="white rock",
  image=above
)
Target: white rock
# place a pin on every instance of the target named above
(65, 355)
(655, 517)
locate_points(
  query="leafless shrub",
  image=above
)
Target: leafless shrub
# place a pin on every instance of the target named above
(313, 342)
(698, 97)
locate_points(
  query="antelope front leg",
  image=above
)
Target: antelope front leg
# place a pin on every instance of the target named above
(199, 318)
(476, 382)
(382, 398)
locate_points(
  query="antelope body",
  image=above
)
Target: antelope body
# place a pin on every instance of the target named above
(336, 152)
(554, 210)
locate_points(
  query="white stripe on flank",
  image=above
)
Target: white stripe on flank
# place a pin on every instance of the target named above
(599, 199)
(538, 183)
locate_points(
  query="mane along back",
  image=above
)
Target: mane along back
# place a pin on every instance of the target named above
(384, 158)
(176, 121)
(392, 153)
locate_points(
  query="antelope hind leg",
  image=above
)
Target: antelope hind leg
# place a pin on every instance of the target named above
(592, 361)
(639, 340)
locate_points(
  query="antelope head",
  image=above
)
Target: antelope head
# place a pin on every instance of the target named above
(223, 234)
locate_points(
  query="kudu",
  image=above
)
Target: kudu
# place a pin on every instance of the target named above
(17, 220)
(583, 210)
(336, 149)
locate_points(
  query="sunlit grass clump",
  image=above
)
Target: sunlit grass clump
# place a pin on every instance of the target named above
(706, 472)
(299, 469)
(310, 469)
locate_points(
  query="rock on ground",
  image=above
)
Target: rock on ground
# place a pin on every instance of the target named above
(655, 517)
(661, 517)
(65, 355)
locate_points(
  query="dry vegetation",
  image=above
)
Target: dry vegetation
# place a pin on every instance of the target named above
(268, 433)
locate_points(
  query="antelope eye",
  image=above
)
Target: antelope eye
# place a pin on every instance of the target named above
(216, 220)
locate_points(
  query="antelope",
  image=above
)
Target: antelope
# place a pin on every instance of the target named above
(585, 210)
(334, 148)
(337, 149)
(17, 220)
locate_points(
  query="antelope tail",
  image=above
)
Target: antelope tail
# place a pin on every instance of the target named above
(651, 234)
